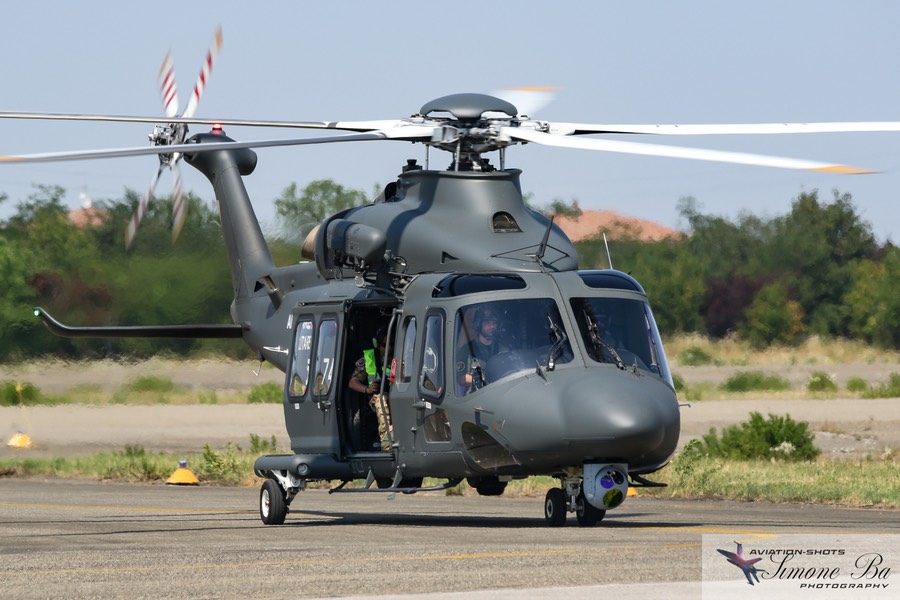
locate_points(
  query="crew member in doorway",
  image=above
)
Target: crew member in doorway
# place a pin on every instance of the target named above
(368, 378)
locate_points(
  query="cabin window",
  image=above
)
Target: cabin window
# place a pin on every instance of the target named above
(325, 349)
(621, 331)
(409, 348)
(431, 374)
(302, 353)
(497, 339)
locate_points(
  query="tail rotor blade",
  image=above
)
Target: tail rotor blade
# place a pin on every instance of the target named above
(204, 74)
(179, 207)
(141, 209)
(167, 86)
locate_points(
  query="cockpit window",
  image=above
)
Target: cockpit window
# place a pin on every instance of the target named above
(622, 332)
(496, 339)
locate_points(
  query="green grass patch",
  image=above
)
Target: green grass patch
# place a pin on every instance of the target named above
(231, 465)
(695, 356)
(862, 483)
(890, 389)
(150, 383)
(755, 381)
(266, 393)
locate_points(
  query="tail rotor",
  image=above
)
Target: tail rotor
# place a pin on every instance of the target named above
(172, 134)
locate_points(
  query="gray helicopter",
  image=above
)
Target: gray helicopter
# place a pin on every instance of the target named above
(484, 353)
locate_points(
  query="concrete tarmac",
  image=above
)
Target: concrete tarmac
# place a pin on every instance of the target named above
(85, 539)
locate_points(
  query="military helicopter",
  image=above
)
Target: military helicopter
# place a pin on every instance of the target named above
(503, 359)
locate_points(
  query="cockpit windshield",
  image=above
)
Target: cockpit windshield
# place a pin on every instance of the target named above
(496, 339)
(621, 331)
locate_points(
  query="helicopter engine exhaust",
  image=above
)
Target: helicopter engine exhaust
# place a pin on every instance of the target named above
(605, 485)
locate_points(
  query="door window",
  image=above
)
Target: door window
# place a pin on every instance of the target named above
(302, 353)
(325, 353)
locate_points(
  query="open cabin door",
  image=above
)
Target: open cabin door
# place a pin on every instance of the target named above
(312, 386)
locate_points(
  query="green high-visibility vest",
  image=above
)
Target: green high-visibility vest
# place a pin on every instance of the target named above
(371, 364)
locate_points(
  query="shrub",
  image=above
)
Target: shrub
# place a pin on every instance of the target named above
(266, 393)
(820, 381)
(678, 381)
(774, 438)
(747, 381)
(151, 383)
(891, 389)
(11, 392)
(695, 356)
(857, 384)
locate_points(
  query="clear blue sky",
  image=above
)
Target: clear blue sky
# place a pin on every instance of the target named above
(613, 62)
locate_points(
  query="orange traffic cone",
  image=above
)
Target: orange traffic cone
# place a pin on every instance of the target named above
(183, 475)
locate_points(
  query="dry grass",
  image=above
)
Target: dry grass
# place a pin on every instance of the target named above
(814, 351)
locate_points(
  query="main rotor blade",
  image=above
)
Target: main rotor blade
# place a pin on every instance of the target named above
(726, 129)
(341, 125)
(205, 70)
(678, 152)
(167, 86)
(141, 209)
(409, 134)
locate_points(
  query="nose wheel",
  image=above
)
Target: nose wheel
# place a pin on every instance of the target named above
(559, 502)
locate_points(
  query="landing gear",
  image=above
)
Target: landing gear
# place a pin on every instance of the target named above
(570, 497)
(556, 506)
(272, 504)
(276, 493)
(588, 515)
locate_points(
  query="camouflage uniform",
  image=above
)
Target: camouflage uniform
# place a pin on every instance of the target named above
(378, 403)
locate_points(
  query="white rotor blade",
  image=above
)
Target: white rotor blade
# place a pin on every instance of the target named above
(341, 125)
(179, 207)
(410, 134)
(678, 152)
(167, 86)
(141, 209)
(205, 70)
(725, 129)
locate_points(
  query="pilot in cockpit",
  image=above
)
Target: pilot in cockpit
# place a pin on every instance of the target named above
(472, 355)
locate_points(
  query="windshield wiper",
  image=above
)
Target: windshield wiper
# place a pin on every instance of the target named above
(560, 336)
(599, 344)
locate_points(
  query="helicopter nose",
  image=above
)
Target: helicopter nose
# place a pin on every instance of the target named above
(620, 416)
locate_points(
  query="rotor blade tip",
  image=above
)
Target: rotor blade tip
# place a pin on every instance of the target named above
(844, 170)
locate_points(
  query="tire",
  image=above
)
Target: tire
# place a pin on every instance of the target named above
(555, 508)
(588, 515)
(272, 507)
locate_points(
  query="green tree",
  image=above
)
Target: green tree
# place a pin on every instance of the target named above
(301, 211)
(872, 300)
(816, 245)
(773, 317)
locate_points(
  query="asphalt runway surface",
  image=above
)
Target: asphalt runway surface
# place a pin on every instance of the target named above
(85, 539)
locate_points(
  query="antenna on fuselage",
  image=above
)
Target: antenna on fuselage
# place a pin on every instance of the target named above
(608, 255)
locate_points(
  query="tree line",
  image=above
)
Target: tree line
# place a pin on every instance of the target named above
(816, 270)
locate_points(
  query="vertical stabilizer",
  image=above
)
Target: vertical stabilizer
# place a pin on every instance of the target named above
(248, 253)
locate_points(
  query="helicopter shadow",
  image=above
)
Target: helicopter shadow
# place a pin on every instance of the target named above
(339, 519)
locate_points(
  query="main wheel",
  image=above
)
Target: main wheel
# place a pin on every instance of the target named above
(588, 515)
(555, 507)
(272, 507)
